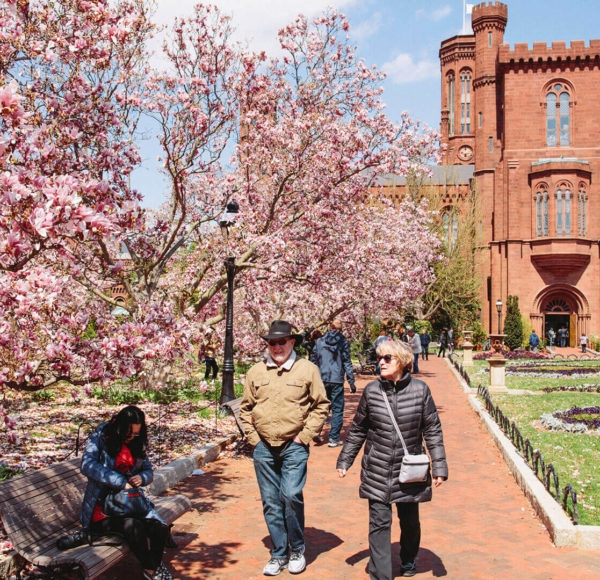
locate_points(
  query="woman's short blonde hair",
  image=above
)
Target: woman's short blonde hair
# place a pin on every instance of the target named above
(399, 350)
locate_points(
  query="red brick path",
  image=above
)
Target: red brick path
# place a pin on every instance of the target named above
(479, 524)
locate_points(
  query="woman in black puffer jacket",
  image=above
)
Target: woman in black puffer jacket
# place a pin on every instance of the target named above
(415, 412)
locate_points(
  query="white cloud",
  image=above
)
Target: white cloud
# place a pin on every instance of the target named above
(366, 28)
(435, 15)
(256, 21)
(403, 69)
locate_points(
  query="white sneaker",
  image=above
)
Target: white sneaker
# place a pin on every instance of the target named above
(274, 566)
(297, 562)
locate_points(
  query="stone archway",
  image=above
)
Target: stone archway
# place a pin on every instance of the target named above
(561, 305)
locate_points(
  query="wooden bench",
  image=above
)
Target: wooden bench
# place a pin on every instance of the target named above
(364, 367)
(38, 508)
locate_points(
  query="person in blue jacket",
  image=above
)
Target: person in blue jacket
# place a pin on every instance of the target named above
(332, 355)
(115, 458)
(534, 341)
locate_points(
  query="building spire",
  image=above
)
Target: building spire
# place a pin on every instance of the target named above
(467, 10)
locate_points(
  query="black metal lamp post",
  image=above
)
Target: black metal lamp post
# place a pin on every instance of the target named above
(499, 309)
(227, 393)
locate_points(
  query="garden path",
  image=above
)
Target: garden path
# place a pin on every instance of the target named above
(479, 524)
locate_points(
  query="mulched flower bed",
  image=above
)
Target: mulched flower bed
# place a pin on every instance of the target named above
(586, 388)
(513, 355)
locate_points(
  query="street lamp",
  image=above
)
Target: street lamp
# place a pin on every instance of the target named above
(227, 394)
(499, 309)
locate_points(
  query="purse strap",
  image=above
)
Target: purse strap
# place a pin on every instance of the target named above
(387, 404)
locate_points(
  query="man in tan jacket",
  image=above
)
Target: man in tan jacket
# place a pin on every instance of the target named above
(283, 408)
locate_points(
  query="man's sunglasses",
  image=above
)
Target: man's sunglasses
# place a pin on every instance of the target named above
(386, 357)
(279, 341)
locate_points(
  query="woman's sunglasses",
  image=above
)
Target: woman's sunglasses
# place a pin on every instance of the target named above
(387, 358)
(279, 341)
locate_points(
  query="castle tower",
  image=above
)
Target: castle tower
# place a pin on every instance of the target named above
(489, 23)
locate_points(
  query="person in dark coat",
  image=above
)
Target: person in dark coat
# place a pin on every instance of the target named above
(416, 415)
(443, 343)
(425, 340)
(115, 458)
(332, 355)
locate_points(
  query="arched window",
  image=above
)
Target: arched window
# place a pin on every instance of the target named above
(582, 210)
(563, 211)
(541, 211)
(558, 115)
(451, 104)
(465, 102)
(450, 228)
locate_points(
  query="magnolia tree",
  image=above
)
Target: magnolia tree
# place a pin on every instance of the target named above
(313, 239)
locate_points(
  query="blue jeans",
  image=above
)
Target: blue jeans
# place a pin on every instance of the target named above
(335, 393)
(416, 362)
(281, 475)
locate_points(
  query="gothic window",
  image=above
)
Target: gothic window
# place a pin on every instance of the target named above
(465, 102)
(581, 211)
(450, 228)
(558, 115)
(541, 211)
(563, 212)
(451, 104)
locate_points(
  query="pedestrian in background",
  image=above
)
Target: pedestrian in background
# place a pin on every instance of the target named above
(332, 355)
(450, 341)
(534, 341)
(584, 342)
(414, 410)
(425, 340)
(414, 343)
(443, 343)
(283, 407)
(208, 353)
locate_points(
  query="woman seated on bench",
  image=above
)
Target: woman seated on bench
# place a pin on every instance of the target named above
(115, 458)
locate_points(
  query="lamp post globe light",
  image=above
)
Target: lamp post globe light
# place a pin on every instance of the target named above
(499, 309)
(227, 393)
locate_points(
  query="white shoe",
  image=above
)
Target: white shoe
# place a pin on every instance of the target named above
(274, 566)
(297, 562)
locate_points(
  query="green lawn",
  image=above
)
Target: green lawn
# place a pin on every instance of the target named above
(576, 457)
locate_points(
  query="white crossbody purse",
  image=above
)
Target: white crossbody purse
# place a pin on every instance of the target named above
(414, 468)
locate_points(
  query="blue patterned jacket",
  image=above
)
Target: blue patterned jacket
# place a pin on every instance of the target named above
(99, 467)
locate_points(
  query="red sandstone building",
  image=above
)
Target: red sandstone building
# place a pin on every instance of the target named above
(527, 121)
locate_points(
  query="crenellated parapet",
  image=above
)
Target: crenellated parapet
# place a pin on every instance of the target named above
(489, 15)
(556, 52)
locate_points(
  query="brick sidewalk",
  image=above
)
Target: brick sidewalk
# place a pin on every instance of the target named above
(479, 524)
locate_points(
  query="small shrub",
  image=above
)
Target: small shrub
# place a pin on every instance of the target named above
(513, 325)
(7, 472)
(43, 396)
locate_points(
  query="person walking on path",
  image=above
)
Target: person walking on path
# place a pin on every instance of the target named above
(450, 341)
(208, 352)
(584, 342)
(332, 355)
(283, 407)
(414, 342)
(534, 341)
(551, 335)
(562, 336)
(443, 343)
(416, 415)
(425, 340)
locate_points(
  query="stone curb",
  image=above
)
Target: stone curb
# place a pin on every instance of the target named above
(559, 525)
(171, 474)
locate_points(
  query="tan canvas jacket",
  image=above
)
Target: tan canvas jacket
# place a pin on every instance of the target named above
(279, 404)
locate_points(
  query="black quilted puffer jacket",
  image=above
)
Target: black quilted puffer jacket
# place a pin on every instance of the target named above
(417, 418)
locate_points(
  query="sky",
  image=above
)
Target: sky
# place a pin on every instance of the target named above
(401, 37)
